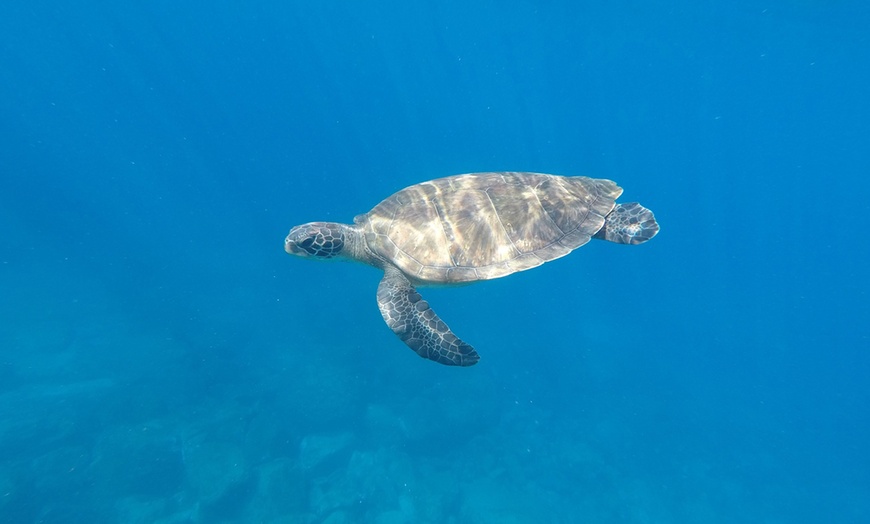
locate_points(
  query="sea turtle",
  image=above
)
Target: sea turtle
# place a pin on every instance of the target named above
(466, 228)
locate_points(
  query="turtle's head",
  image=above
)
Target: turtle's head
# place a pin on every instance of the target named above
(317, 240)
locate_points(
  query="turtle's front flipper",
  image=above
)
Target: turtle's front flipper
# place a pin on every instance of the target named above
(411, 318)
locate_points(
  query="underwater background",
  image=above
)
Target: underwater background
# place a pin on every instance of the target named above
(162, 360)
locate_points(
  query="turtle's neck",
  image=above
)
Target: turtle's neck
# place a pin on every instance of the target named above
(355, 245)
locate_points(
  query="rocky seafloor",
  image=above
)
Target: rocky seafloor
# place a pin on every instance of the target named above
(117, 423)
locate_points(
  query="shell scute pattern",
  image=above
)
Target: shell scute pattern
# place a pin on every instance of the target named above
(483, 226)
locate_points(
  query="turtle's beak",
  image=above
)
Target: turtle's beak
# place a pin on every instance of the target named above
(290, 244)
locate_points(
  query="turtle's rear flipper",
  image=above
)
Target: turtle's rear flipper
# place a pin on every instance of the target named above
(629, 223)
(411, 318)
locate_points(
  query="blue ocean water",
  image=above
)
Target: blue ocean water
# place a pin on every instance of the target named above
(163, 360)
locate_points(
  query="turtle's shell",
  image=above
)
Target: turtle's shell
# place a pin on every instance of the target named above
(486, 225)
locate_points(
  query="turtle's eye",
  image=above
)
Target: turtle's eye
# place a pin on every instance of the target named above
(306, 245)
(313, 245)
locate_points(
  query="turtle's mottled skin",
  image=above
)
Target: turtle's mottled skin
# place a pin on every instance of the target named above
(467, 228)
